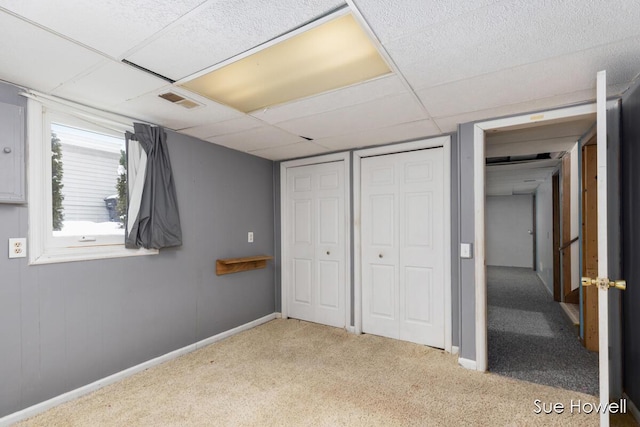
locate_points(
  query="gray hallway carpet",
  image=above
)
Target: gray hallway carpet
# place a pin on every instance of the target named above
(530, 338)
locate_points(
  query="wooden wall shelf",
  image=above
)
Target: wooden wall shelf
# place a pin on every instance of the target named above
(235, 265)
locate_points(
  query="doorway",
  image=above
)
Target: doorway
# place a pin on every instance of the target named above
(529, 336)
(479, 159)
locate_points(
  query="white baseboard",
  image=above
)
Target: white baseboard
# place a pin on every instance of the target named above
(455, 349)
(572, 316)
(96, 385)
(278, 315)
(549, 291)
(633, 409)
(468, 364)
(351, 329)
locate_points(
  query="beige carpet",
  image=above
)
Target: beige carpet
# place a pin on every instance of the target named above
(293, 373)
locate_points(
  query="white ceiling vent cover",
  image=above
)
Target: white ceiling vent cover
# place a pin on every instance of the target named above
(174, 98)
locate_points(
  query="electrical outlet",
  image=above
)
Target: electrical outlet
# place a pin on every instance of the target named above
(17, 248)
(250, 237)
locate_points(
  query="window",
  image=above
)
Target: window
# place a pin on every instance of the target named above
(77, 180)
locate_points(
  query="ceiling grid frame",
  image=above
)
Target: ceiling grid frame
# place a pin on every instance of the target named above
(36, 35)
(383, 51)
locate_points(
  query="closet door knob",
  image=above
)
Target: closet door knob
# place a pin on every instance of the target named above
(328, 253)
(380, 256)
(7, 150)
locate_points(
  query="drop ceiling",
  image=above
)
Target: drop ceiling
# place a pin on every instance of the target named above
(453, 62)
(521, 173)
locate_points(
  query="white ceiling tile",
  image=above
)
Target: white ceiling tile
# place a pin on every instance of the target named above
(223, 128)
(555, 136)
(352, 95)
(152, 108)
(519, 176)
(512, 179)
(256, 139)
(109, 84)
(470, 60)
(291, 151)
(510, 189)
(524, 148)
(552, 77)
(392, 19)
(499, 191)
(37, 59)
(536, 132)
(223, 29)
(497, 170)
(112, 27)
(379, 136)
(381, 112)
(508, 34)
(450, 123)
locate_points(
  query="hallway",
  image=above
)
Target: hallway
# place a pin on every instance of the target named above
(530, 337)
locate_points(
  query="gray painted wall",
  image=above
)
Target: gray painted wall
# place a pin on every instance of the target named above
(277, 245)
(614, 231)
(544, 232)
(467, 235)
(509, 219)
(455, 240)
(65, 325)
(630, 191)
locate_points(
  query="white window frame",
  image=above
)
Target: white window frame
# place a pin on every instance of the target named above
(44, 248)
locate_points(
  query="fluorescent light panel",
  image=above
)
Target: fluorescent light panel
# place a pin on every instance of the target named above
(335, 54)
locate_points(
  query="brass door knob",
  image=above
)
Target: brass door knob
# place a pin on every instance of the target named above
(619, 284)
(588, 281)
(604, 283)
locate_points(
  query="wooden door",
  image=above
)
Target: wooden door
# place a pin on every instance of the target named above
(569, 295)
(590, 244)
(557, 288)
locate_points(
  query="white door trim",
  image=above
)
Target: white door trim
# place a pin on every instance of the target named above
(479, 206)
(445, 143)
(284, 222)
(603, 244)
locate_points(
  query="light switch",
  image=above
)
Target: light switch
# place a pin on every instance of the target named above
(250, 237)
(466, 250)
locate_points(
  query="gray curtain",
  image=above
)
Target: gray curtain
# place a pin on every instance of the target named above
(157, 223)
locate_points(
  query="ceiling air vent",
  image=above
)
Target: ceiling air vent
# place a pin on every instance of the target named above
(180, 100)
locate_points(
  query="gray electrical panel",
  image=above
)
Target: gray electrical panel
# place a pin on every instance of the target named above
(12, 164)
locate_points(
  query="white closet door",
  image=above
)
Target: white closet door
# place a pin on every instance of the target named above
(316, 239)
(403, 246)
(380, 291)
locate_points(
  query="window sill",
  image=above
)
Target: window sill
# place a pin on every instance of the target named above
(58, 255)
